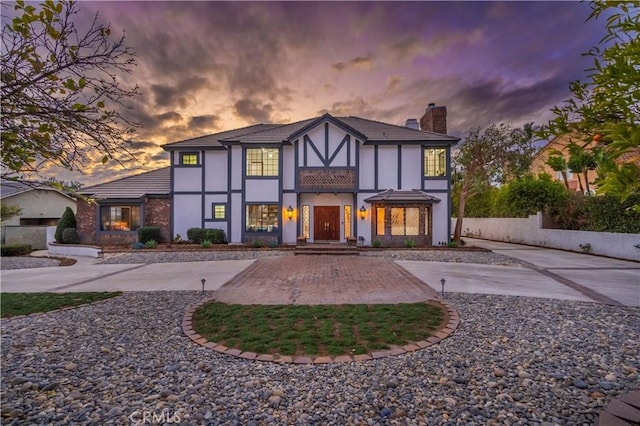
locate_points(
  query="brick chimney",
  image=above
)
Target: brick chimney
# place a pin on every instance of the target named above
(434, 119)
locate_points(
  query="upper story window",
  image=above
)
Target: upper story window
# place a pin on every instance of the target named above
(435, 162)
(219, 211)
(262, 162)
(189, 159)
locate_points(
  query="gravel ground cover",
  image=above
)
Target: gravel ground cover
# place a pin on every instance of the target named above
(484, 257)
(513, 361)
(23, 262)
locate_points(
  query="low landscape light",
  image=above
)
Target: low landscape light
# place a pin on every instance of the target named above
(442, 281)
(203, 281)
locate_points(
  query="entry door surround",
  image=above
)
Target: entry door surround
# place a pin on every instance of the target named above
(326, 223)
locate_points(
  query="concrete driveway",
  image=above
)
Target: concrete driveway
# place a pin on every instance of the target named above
(557, 275)
(615, 279)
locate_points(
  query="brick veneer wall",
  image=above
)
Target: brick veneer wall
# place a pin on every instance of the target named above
(86, 221)
(156, 213)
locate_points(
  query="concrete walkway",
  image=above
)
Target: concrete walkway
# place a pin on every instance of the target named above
(556, 275)
(87, 276)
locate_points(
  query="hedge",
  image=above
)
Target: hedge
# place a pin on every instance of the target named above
(198, 235)
(148, 233)
(15, 250)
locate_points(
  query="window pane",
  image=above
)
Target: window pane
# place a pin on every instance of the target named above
(426, 222)
(119, 218)
(435, 163)
(305, 221)
(347, 221)
(262, 218)
(219, 211)
(380, 221)
(262, 162)
(397, 221)
(412, 221)
(189, 159)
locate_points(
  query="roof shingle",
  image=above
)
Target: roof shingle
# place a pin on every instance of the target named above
(155, 182)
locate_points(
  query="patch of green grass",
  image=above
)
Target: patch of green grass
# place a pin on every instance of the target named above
(318, 329)
(14, 304)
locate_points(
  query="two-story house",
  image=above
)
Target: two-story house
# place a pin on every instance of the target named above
(327, 178)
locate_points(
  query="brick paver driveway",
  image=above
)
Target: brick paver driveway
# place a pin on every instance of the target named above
(311, 280)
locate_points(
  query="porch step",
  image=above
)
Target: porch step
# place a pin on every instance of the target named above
(326, 249)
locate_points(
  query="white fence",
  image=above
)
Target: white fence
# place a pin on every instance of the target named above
(530, 231)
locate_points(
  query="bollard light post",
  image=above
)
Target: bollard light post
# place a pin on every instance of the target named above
(203, 281)
(442, 281)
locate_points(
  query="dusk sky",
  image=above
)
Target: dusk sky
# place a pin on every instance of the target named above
(205, 67)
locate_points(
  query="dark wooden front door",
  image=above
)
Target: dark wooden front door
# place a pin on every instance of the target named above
(326, 223)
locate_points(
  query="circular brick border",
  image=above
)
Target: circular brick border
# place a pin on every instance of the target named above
(446, 331)
(67, 308)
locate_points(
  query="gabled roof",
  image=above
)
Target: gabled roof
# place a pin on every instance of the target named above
(276, 134)
(369, 131)
(209, 141)
(393, 196)
(377, 131)
(155, 182)
(9, 188)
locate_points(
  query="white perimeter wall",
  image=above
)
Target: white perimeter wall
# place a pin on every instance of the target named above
(529, 231)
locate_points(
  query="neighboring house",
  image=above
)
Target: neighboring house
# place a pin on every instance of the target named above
(327, 179)
(559, 144)
(40, 205)
(118, 208)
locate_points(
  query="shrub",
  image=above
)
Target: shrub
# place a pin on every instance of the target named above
(148, 233)
(151, 244)
(15, 250)
(273, 244)
(198, 235)
(70, 236)
(68, 220)
(607, 213)
(409, 243)
(206, 244)
(257, 244)
(528, 195)
(376, 243)
(216, 236)
(137, 246)
(453, 244)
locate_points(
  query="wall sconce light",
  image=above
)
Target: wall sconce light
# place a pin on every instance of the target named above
(363, 213)
(290, 212)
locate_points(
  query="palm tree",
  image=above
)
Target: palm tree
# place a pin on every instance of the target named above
(559, 164)
(580, 162)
